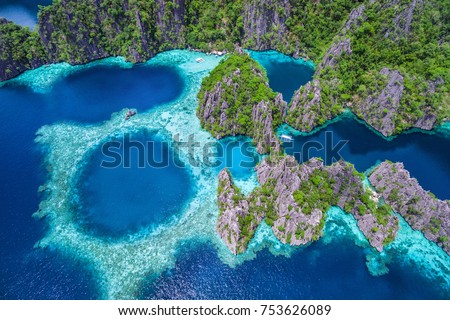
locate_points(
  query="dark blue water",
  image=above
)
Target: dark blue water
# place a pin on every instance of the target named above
(319, 271)
(22, 113)
(140, 183)
(427, 157)
(285, 73)
(22, 12)
(333, 271)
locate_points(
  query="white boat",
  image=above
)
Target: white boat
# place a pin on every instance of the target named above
(199, 60)
(286, 138)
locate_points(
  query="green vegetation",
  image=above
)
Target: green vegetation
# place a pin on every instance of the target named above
(317, 192)
(336, 185)
(313, 24)
(83, 30)
(422, 54)
(435, 225)
(243, 84)
(78, 31)
(214, 24)
(19, 48)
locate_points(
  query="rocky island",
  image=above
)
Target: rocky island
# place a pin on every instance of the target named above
(420, 208)
(235, 99)
(293, 200)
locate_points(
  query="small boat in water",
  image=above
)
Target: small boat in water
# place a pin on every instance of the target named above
(129, 114)
(199, 60)
(286, 138)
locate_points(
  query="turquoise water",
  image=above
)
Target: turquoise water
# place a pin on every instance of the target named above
(238, 154)
(88, 96)
(162, 221)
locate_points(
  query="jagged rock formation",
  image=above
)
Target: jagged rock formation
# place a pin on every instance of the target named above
(378, 39)
(265, 24)
(306, 110)
(310, 106)
(354, 19)
(293, 200)
(79, 31)
(170, 23)
(401, 25)
(380, 108)
(331, 57)
(234, 211)
(388, 100)
(241, 103)
(421, 209)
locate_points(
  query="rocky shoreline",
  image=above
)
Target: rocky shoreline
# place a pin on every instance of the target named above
(293, 200)
(420, 208)
(241, 103)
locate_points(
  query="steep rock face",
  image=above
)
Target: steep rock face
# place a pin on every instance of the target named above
(293, 200)
(380, 108)
(67, 36)
(306, 106)
(14, 59)
(214, 110)
(265, 24)
(331, 57)
(234, 208)
(86, 30)
(241, 103)
(354, 19)
(375, 221)
(290, 223)
(401, 24)
(170, 23)
(429, 118)
(263, 126)
(310, 106)
(420, 208)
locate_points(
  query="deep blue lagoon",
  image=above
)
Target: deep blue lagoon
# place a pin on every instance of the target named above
(143, 185)
(88, 96)
(336, 270)
(285, 74)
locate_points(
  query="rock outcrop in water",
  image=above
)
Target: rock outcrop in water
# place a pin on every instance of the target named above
(293, 200)
(420, 208)
(236, 100)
